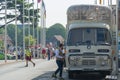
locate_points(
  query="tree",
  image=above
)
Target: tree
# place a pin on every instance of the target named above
(1, 45)
(27, 6)
(1, 31)
(11, 34)
(32, 40)
(56, 29)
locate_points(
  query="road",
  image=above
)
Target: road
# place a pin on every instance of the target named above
(42, 71)
(17, 71)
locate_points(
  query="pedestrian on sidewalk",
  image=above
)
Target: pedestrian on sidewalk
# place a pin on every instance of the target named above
(43, 53)
(59, 53)
(48, 53)
(28, 57)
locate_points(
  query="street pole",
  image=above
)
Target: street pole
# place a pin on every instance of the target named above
(117, 17)
(43, 24)
(103, 2)
(44, 30)
(5, 41)
(33, 32)
(108, 2)
(95, 1)
(23, 31)
(29, 22)
(38, 30)
(16, 30)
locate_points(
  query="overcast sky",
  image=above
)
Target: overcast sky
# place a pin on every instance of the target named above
(56, 10)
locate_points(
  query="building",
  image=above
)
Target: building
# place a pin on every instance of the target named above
(9, 41)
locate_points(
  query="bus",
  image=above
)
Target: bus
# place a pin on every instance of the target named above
(90, 43)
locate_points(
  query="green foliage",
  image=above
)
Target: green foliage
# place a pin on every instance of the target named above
(2, 56)
(10, 57)
(11, 32)
(1, 30)
(1, 44)
(31, 39)
(27, 40)
(56, 29)
(27, 7)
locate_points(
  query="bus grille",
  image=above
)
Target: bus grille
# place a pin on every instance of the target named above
(88, 62)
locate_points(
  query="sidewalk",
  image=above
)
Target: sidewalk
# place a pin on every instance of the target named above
(2, 62)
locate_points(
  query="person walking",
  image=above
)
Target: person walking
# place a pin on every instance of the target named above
(59, 53)
(43, 53)
(28, 57)
(48, 53)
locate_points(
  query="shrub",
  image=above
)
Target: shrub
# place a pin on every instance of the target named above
(2, 56)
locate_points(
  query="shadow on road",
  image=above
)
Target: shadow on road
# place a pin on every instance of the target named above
(47, 76)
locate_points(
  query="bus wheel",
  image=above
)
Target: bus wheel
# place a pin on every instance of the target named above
(70, 75)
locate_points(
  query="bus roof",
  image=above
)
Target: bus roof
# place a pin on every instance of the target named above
(94, 13)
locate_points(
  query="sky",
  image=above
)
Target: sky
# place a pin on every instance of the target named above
(56, 10)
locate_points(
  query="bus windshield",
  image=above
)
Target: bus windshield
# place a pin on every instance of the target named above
(89, 36)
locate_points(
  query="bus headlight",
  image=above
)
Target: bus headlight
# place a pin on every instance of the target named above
(74, 60)
(103, 60)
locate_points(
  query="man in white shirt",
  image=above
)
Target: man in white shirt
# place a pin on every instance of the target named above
(59, 53)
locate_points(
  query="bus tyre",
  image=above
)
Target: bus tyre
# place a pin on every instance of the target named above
(103, 74)
(70, 75)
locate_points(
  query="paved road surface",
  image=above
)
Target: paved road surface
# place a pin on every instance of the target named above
(17, 71)
(42, 71)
